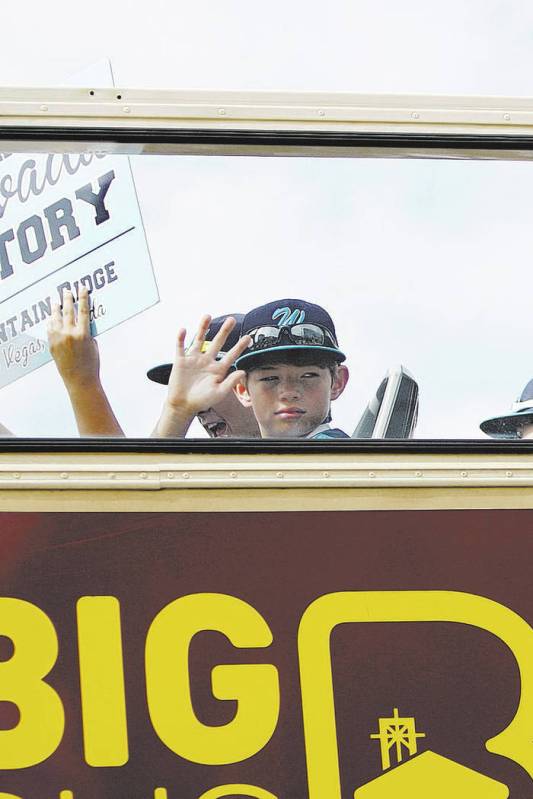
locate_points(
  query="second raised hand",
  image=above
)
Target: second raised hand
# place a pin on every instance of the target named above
(201, 375)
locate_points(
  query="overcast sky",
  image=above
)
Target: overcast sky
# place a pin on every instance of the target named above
(420, 263)
(459, 47)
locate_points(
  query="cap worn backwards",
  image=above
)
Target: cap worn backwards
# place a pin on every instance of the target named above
(161, 374)
(508, 425)
(288, 324)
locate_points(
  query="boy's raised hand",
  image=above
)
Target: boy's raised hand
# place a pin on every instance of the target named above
(198, 380)
(73, 348)
(75, 353)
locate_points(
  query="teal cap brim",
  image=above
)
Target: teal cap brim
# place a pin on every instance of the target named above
(340, 356)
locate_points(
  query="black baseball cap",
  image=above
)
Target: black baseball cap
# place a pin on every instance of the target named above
(161, 374)
(285, 325)
(508, 425)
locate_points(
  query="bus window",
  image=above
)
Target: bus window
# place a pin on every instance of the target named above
(186, 296)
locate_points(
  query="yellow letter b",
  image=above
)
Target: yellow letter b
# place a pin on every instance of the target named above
(42, 719)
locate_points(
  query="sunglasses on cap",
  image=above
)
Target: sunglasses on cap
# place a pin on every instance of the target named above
(303, 334)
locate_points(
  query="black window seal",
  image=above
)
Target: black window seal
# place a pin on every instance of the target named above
(152, 136)
(267, 446)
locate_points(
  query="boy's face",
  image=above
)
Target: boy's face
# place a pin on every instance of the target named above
(228, 419)
(290, 401)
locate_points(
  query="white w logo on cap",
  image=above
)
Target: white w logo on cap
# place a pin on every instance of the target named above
(288, 317)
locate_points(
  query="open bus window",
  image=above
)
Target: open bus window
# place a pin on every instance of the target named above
(383, 297)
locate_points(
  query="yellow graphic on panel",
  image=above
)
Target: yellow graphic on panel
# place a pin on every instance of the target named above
(327, 612)
(426, 775)
(431, 775)
(397, 732)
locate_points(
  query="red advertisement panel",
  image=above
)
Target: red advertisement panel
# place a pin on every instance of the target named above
(327, 655)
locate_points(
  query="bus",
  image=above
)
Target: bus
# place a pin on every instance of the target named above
(206, 615)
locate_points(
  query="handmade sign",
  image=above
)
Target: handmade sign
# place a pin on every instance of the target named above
(66, 221)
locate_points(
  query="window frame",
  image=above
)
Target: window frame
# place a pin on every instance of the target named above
(272, 124)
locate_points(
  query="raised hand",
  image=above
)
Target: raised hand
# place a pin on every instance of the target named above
(73, 348)
(75, 353)
(199, 379)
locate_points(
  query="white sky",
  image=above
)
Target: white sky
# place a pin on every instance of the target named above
(421, 263)
(461, 46)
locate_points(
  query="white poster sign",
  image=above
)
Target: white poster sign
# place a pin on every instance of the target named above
(66, 221)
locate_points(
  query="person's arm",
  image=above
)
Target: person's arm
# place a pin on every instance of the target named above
(198, 380)
(75, 353)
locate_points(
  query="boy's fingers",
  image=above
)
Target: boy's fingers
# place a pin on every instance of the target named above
(180, 343)
(231, 356)
(199, 339)
(83, 310)
(233, 378)
(56, 317)
(220, 339)
(68, 308)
